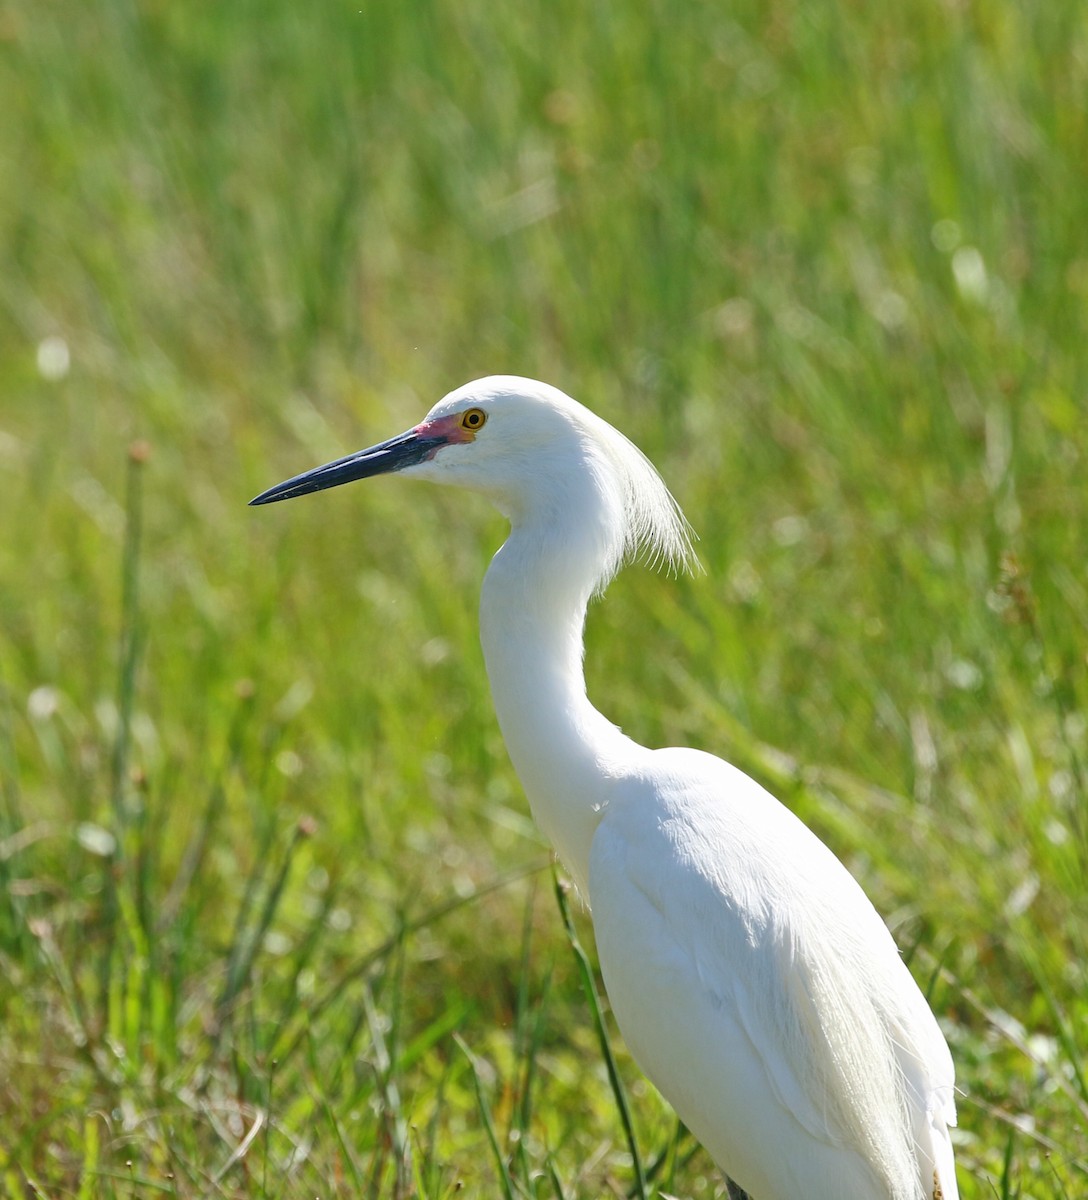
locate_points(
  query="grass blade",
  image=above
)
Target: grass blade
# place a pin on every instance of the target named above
(590, 989)
(489, 1123)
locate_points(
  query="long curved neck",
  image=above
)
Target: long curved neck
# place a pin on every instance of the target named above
(532, 614)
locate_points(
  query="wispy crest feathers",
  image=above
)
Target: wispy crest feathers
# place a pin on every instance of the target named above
(655, 530)
(545, 447)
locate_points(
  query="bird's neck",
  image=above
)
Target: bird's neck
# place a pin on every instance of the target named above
(566, 754)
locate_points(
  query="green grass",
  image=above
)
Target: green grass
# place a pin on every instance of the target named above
(273, 919)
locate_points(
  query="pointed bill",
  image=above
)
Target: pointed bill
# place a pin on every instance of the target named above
(406, 450)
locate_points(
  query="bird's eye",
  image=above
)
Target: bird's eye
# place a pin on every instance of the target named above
(473, 419)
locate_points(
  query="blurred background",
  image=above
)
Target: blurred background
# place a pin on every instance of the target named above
(273, 918)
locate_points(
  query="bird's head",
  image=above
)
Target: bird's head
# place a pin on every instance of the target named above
(536, 454)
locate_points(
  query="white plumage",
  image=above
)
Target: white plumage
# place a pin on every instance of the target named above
(752, 979)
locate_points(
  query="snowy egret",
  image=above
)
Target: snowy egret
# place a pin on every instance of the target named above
(751, 977)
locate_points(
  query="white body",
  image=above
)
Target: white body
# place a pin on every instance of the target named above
(754, 982)
(764, 1025)
(752, 979)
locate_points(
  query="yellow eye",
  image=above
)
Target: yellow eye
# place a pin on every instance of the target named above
(473, 419)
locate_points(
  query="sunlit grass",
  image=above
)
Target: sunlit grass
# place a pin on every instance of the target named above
(273, 919)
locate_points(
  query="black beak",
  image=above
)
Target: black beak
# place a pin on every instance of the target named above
(394, 455)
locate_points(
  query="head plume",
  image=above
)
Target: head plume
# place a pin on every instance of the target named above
(544, 458)
(654, 528)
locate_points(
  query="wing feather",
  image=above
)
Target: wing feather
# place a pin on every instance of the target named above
(792, 1020)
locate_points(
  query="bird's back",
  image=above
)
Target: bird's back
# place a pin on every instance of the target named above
(759, 989)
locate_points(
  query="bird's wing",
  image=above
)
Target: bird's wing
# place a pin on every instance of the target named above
(781, 983)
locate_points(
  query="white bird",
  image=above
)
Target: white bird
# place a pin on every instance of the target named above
(751, 977)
